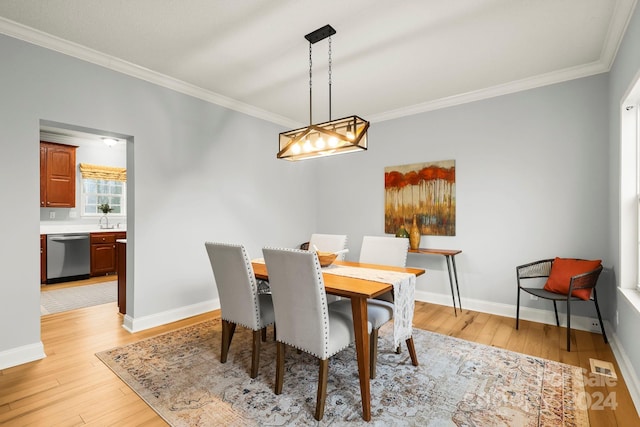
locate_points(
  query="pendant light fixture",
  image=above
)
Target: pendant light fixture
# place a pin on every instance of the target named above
(339, 136)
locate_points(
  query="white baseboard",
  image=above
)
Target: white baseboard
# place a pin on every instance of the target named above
(20, 355)
(136, 324)
(628, 373)
(507, 310)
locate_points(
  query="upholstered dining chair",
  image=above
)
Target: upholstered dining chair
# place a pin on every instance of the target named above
(305, 320)
(240, 302)
(567, 279)
(383, 250)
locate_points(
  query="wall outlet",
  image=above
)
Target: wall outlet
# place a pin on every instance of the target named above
(533, 297)
(52, 215)
(594, 325)
(73, 214)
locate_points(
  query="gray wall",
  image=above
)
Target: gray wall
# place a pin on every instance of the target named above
(197, 172)
(531, 183)
(625, 69)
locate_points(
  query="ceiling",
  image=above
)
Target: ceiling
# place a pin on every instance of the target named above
(389, 59)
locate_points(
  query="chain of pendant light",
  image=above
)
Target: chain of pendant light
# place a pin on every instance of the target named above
(311, 82)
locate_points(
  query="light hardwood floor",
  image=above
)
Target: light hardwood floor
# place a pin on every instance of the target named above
(72, 387)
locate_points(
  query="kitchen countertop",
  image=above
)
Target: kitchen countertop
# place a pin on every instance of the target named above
(79, 228)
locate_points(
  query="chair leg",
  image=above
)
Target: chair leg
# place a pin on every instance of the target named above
(568, 325)
(412, 352)
(263, 332)
(323, 376)
(555, 309)
(228, 329)
(373, 352)
(279, 367)
(518, 310)
(595, 300)
(255, 353)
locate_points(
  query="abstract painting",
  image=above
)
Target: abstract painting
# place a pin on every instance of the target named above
(426, 190)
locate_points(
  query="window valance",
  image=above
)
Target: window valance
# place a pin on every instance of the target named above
(108, 173)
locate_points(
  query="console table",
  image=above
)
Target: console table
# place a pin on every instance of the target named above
(449, 255)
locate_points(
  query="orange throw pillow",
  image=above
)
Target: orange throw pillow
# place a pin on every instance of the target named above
(563, 269)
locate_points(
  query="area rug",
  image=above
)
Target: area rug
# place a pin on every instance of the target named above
(75, 297)
(458, 383)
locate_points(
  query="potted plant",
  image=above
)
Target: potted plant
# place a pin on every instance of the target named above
(105, 208)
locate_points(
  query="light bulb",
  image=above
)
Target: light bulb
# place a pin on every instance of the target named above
(296, 148)
(333, 142)
(307, 146)
(320, 143)
(350, 135)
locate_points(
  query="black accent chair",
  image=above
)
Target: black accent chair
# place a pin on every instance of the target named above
(541, 269)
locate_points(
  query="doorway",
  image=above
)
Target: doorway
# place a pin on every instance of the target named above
(98, 148)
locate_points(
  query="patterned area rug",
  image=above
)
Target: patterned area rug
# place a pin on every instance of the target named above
(458, 382)
(66, 299)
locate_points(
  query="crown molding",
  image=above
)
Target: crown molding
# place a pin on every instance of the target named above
(622, 14)
(621, 17)
(494, 91)
(48, 41)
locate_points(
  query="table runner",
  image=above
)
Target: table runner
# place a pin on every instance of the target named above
(404, 287)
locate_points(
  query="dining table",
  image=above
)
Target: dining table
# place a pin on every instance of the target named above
(358, 290)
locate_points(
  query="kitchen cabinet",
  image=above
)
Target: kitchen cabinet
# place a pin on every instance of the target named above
(57, 175)
(104, 258)
(122, 275)
(43, 258)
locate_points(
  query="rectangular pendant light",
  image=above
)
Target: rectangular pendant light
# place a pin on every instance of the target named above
(339, 136)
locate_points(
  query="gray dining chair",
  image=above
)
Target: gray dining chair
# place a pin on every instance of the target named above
(382, 250)
(240, 302)
(304, 318)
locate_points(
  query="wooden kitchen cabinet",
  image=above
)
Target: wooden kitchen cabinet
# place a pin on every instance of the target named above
(104, 258)
(43, 258)
(57, 175)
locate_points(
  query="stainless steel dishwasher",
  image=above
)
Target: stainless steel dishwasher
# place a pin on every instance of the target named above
(68, 257)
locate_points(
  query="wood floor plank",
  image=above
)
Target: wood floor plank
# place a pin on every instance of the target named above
(72, 387)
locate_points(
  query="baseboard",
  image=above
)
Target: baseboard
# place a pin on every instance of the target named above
(20, 355)
(508, 310)
(136, 324)
(626, 367)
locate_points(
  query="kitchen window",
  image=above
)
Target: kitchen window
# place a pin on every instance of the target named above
(103, 184)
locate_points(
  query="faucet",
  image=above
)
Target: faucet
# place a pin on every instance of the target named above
(100, 222)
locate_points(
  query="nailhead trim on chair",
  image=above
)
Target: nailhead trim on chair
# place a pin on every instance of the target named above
(325, 309)
(254, 288)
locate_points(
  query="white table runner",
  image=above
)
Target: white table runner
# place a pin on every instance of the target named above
(404, 287)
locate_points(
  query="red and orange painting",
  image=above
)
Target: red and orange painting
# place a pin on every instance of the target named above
(426, 190)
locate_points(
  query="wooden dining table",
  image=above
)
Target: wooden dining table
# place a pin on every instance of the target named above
(358, 290)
